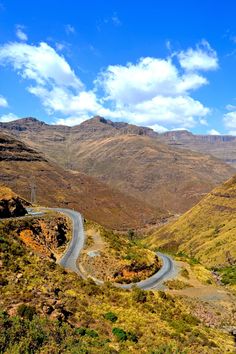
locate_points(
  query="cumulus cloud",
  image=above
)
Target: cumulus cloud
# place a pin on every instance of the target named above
(154, 92)
(213, 132)
(3, 102)
(60, 99)
(201, 58)
(8, 117)
(39, 63)
(229, 120)
(21, 35)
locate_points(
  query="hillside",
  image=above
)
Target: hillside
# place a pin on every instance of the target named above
(44, 309)
(221, 146)
(29, 172)
(130, 158)
(207, 231)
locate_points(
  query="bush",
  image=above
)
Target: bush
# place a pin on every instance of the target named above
(26, 311)
(110, 316)
(86, 331)
(120, 334)
(91, 333)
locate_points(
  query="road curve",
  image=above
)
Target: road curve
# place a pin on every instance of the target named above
(76, 244)
(69, 259)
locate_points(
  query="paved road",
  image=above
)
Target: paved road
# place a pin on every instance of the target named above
(167, 271)
(69, 259)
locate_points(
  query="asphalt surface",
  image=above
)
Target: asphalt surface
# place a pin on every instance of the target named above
(69, 259)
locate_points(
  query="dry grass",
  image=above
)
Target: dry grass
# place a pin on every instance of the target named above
(207, 231)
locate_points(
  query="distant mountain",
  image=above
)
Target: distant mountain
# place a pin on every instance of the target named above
(29, 173)
(133, 159)
(207, 231)
(220, 146)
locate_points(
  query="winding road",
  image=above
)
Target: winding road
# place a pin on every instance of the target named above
(69, 258)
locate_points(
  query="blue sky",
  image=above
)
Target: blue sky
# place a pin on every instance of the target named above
(163, 64)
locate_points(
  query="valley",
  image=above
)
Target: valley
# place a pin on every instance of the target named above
(65, 299)
(145, 246)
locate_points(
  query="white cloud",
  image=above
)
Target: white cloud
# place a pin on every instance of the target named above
(3, 102)
(20, 33)
(230, 107)
(201, 58)
(213, 132)
(39, 63)
(71, 121)
(232, 132)
(152, 92)
(8, 117)
(229, 120)
(203, 121)
(158, 128)
(65, 101)
(69, 29)
(148, 78)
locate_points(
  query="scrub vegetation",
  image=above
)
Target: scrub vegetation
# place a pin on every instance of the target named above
(45, 309)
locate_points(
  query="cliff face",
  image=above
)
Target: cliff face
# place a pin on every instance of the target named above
(221, 146)
(10, 204)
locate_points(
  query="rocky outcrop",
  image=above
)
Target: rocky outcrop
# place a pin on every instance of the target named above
(10, 204)
(46, 234)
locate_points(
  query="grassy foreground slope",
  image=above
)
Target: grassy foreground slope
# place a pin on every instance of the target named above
(44, 309)
(207, 231)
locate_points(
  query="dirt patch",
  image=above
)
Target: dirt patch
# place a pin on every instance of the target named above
(212, 304)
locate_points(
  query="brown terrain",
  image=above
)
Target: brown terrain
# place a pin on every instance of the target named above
(24, 170)
(221, 146)
(133, 159)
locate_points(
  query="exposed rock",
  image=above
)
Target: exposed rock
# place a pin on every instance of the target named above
(10, 204)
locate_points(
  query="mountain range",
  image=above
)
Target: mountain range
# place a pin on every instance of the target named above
(136, 161)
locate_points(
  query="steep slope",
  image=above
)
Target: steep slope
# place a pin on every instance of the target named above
(207, 231)
(132, 159)
(44, 309)
(221, 146)
(150, 171)
(28, 172)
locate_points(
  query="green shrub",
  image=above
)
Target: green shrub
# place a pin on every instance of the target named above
(91, 333)
(120, 334)
(86, 331)
(110, 316)
(81, 331)
(26, 311)
(228, 275)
